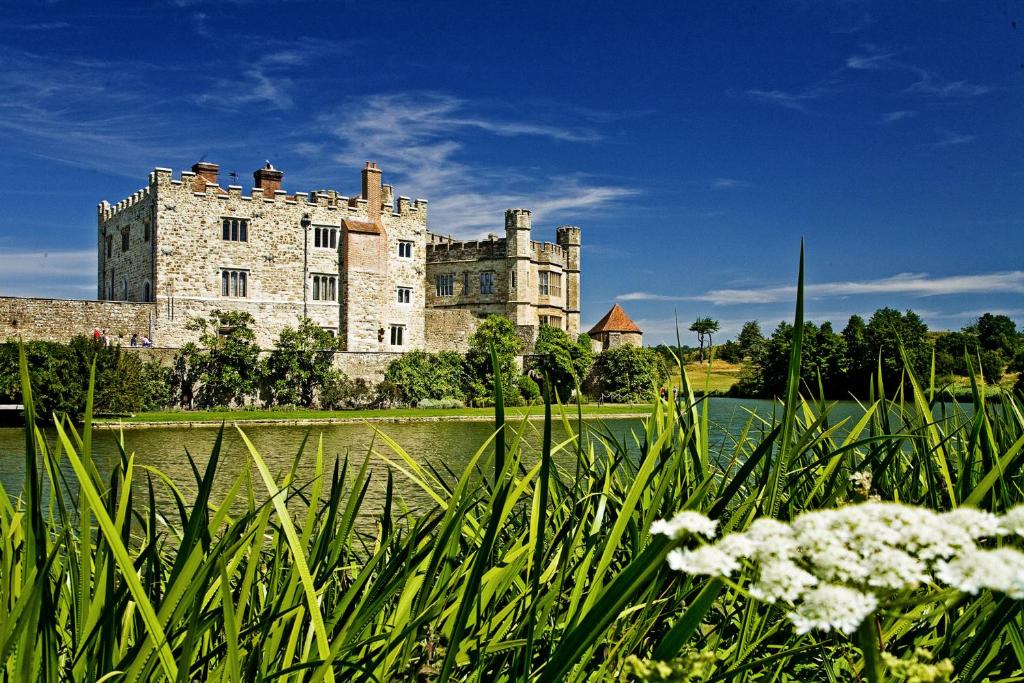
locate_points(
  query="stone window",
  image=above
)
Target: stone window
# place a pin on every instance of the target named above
(235, 229)
(124, 289)
(404, 249)
(234, 283)
(325, 237)
(125, 235)
(487, 282)
(512, 280)
(404, 295)
(145, 231)
(110, 244)
(550, 284)
(325, 288)
(551, 321)
(446, 284)
(398, 335)
(465, 282)
(147, 291)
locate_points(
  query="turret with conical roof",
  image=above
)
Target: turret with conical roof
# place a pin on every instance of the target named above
(615, 329)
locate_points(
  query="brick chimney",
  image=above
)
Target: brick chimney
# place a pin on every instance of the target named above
(205, 173)
(372, 189)
(269, 178)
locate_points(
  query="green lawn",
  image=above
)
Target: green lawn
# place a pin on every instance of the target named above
(386, 414)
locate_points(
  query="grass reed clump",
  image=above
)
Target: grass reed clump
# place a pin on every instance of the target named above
(531, 572)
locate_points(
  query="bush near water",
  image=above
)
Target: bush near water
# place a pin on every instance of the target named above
(225, 369)
(541, 568)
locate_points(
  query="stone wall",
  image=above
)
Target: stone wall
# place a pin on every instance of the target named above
(62, 319)
(449, 329)
(369, 365)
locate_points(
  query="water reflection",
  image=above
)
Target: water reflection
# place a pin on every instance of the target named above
(440, 444)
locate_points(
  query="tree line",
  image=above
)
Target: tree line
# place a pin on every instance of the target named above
(843, 364)
(225, 368)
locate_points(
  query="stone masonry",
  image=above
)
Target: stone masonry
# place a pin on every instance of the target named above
(533, 283)
(364, 267)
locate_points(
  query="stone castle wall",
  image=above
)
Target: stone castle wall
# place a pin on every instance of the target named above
(280, 258)
(449, 329)
(517, 263)
(61, 319)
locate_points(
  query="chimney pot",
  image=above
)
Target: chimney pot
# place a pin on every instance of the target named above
(205, 173)
(268, 178)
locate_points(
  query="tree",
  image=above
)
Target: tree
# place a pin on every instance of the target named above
(498, 332)
(627, 374)
(750, 339)
(419, 375)
(565, 361)
(730, 352)
(886, 332)
(225, 362)
(704, 327)
(997, 333)
(300, 364)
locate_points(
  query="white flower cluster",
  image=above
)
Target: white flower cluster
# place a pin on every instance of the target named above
(834, 565)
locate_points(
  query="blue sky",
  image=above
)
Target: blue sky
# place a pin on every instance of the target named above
(694, 143)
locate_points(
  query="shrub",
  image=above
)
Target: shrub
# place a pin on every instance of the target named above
(564, 361)
(627, 374)
(442, 403)
(528, 389)
(125, 382)
(420, 375)
(499, 333)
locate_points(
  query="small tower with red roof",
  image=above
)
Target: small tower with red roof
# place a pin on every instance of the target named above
(615, 329)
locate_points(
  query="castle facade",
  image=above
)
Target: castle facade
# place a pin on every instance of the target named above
(367, 268)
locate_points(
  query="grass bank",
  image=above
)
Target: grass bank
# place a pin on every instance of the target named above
(216, 417)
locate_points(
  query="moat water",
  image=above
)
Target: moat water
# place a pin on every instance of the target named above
(440, 444)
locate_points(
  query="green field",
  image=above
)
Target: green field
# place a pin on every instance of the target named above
(719, 379)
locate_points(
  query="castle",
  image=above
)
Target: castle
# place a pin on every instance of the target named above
(366, 268)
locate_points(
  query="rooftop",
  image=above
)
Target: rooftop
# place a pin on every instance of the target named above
(615, 320)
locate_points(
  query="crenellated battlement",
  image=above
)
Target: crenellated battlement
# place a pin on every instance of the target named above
(444, 248)
(105, 210)
(548, 252)
(202, 183)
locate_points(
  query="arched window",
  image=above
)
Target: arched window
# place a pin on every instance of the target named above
(124, 283)
(146, 291)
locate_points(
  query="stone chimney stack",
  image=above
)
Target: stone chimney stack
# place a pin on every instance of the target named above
(269, 178)
(205, 173)
(372, 189)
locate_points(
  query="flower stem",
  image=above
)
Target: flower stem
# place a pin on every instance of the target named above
(867, 640)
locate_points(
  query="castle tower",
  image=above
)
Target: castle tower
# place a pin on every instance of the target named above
(568, 237)
(518, 224)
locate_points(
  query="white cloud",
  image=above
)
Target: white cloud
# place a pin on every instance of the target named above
(420, 139)
(790, 100)
(894, 116)
(928, 82)
(728, 183)
(68, 273)
(948, 138)
(911, 284)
